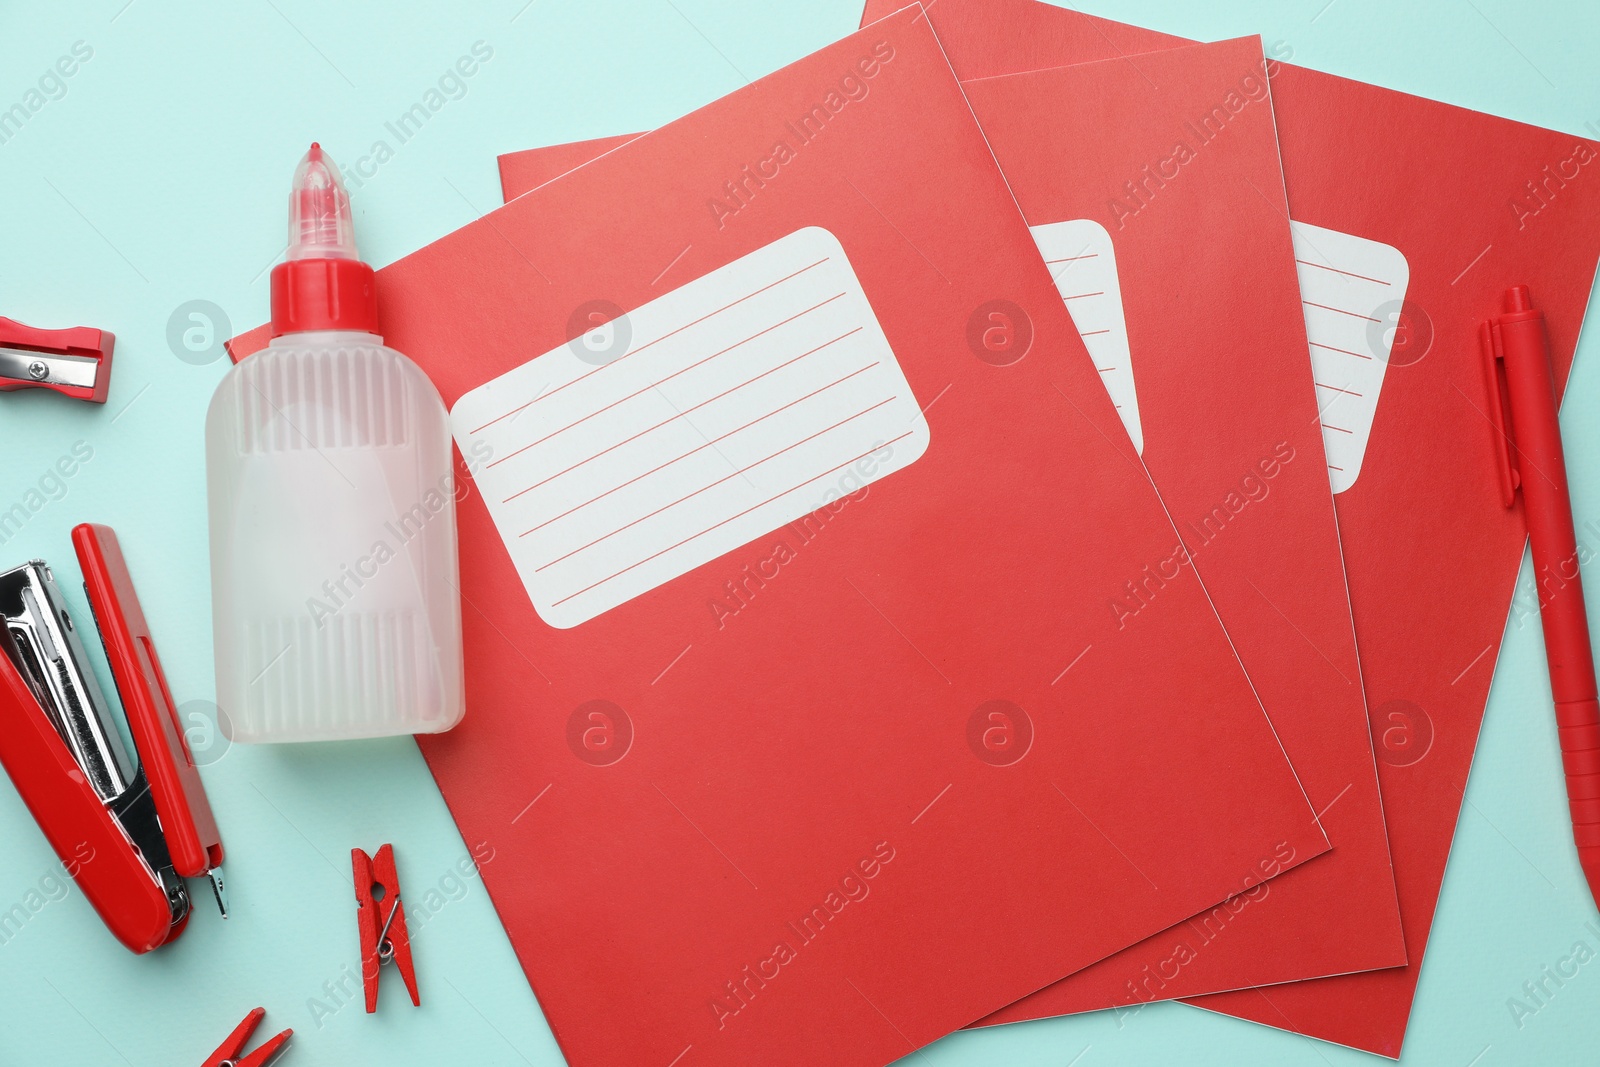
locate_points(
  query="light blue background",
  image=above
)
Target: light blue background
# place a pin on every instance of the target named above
(159, 177)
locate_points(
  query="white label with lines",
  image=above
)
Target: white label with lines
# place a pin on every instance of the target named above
(1084, 266)
(748, 398)
(1352, 290)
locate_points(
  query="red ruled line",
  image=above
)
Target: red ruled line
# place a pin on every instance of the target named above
(1341, 351)
(1335, 388)
(647, 344)
(740, 471)
(1341, 311)
(700, 448)
(679, 415)
(651, 385)
(731, 518)
(1346, 273)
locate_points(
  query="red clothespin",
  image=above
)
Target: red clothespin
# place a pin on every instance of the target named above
(381, 917)
(74, 362)
(228, 1053)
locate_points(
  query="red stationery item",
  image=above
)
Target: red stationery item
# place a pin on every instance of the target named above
(74, 362)
(1234, 446)
(522, 171)
(824, 784)
(128, 826)
(1230, 423)
(1516, 340)
(1428, 619)
(381, 921)
(231, 1052)
(185, 812)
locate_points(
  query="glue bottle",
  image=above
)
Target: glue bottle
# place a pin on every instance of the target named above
(332, 507)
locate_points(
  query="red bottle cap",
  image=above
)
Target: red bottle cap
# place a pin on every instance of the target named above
(323, 285)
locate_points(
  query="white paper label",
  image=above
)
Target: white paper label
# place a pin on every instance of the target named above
(1352, 290)
(1084, 266)
(710, 416)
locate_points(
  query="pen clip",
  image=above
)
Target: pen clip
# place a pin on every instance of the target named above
(1495, 387)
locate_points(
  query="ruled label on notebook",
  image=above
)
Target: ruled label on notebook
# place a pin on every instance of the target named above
(710, 416)
(1352, 290)
(1084, 266)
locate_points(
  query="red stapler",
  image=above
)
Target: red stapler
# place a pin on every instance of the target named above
(74, 362)
(128, 827)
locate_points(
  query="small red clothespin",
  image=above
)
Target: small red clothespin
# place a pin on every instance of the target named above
(74, 362)
(378, 895)
(228, 1053)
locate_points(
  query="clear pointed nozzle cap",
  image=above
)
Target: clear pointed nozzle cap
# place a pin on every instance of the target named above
(320, 226)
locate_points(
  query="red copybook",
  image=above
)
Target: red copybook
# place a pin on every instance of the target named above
(797, 719)
(1223, 408)
(1430, 551)
(1207, 345)
(522, 171)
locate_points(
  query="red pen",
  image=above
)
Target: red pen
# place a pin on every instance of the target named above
(1516, 339)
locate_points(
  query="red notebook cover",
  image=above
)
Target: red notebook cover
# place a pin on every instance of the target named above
(522, 171)
(1225, 412)
(1431, 553)
(825, 743)
(1232, 434)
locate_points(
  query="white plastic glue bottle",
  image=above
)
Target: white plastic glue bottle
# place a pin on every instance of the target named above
(333, 534)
